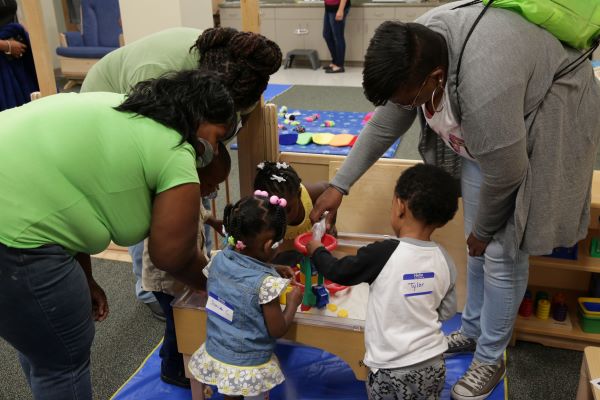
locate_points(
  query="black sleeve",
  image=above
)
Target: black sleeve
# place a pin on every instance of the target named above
(365, 266)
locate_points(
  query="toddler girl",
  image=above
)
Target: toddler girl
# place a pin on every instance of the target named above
(244, 315)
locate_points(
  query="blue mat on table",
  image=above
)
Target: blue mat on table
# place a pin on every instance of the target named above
(345, 122)
(274, 90)
(310, 374)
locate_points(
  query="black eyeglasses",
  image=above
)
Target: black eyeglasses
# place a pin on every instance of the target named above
(233, 132)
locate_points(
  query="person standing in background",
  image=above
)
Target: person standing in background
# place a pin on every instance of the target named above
(334, 23)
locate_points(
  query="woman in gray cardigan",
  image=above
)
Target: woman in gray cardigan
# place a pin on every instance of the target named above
(522, 143)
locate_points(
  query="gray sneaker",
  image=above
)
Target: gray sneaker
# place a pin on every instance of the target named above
(479, 381)
(459, 343)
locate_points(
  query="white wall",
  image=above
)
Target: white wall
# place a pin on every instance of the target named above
(143, 17)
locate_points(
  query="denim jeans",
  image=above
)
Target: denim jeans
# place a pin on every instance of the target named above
(207, 228)
(171, 358)
(47, 317)
(136, 251)
(496, 281)
(333, 33)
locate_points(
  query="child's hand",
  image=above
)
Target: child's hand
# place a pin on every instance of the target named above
(294, 298)
(312, 246)
(284, 271)
(216, 224)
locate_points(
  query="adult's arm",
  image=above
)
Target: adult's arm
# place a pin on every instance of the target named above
(388, 123)
(99, 301)
(173, 234)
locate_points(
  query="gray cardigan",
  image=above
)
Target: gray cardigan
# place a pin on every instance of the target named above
(534, 139)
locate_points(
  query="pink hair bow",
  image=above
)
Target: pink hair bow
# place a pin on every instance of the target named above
(240, 245)
(278, 200)
(261, 193)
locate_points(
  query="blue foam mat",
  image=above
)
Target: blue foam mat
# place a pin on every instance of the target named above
(345, 122)
(273, 90)
(310, 374)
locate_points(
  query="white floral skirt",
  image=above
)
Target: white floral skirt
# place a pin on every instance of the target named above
(235, 380)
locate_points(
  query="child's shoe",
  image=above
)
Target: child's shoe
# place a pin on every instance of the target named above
(459, 343)
(177, 380)
(479, 381)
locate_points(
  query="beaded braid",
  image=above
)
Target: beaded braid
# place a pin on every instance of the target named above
(250, 216)
(245, 59)
(277, 178)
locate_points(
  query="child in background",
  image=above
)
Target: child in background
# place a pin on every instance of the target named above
(244, 315)
(166, 288)
(411, 288)
(282, 180)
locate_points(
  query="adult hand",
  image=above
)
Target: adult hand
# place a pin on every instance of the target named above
(476, 247)
(339, 15)
(329, 200)
(312, 246)
(17, 49)
(99, 301)
(217, 225)
(284, 271)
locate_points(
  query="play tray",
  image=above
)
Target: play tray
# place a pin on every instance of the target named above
(590, 306)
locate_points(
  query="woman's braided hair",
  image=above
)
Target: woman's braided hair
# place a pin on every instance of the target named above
(246, 60)
(277, 178)
(252, 215)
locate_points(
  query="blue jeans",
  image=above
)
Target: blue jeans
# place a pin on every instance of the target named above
(333, 33)
(136, 252)
(171, 358)
(47, 317)
(496, 281)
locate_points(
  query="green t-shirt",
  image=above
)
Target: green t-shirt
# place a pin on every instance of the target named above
(148, 57)
(77, 173)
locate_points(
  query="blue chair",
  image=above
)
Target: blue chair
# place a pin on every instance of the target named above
(100, 34)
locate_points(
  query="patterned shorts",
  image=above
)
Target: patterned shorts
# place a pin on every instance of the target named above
(406, 384)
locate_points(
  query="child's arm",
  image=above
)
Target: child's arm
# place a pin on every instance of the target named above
(365, 266)
(447, 307)
(278, 322)
(214, 223)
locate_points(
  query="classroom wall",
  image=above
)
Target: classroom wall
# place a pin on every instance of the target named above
(143, 17)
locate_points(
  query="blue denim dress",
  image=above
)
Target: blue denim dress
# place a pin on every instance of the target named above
(238, 356)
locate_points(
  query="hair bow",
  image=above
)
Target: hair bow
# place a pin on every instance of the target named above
(261, 193)
(282, 165)
(260, 165)
(278, 201)
(277, 178)
(240, 245)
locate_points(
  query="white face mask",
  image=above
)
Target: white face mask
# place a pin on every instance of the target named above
(206, 157)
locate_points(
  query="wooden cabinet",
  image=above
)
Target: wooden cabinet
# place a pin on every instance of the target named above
(294, 27)
(571, 277)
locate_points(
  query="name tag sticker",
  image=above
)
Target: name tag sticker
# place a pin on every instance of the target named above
(417, 284)
(219, 307)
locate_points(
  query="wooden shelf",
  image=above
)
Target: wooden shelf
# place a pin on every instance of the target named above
(583, 263)
(573, 339)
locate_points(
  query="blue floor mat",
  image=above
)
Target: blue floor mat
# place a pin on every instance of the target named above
(274, 90)
(345, 122)
(310, 374)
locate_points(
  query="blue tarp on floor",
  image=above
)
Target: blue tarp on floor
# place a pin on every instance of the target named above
(311, 374)
(274, 90)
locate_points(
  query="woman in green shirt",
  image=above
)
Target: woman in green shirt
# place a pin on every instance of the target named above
(80, 170)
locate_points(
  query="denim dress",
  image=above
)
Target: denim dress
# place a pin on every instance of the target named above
(238, 355)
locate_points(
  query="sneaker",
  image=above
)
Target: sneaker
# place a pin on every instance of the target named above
(479, 381)
(156, 310)
(177, 380)
(459, 343)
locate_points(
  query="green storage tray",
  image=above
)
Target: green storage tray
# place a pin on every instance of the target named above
(589, 324)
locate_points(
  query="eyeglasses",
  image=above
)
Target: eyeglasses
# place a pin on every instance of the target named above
(412, 104)
(233, 132)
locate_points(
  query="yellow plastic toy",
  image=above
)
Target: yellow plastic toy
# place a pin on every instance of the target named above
(343, 313)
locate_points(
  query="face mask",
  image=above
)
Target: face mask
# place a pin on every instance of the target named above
(206, 157)
(211, 196)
